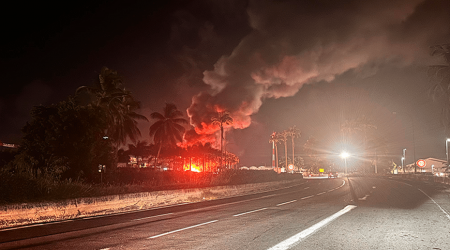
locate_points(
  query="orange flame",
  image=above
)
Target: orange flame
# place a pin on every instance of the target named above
(193, 167)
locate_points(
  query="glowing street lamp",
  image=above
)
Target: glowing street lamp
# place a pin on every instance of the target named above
(403, 159)
(344, 156)
(446, 148)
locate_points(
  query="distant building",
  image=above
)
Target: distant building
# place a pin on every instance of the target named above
(256, 168)
(8, 145)
(432, 165)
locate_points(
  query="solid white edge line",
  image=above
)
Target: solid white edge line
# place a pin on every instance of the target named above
(446, 214)
(151, 216)
(181, 229)
(149, 209)
(236, 215)
(305, 233)
(287, 202)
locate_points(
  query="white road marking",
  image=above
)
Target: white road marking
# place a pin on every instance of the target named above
(321, 193)
(364, 198)
(306, 197)
(446, 214)
(287, 202)
(306, 187)
(401, 182)
(286, 244)
(270, 195)
(178, 230)
(152, 216)
(236, 215)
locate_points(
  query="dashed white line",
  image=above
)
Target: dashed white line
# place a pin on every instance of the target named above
(306, 187)
(152, 216)
(287, 202)
(286, 244)
(321, 193)
(236, 215)
(178, 230)
(306, 197)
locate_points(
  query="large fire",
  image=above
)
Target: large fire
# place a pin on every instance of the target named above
(209, 162)
(192, 167)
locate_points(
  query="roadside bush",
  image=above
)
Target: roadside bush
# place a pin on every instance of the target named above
(25, 187)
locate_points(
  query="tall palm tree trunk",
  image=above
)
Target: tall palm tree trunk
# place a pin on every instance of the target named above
(157, 155)
(276, 156)
(221, 146)
(285, 155)
(293, 151)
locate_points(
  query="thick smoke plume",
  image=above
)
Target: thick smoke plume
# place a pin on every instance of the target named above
(297, 42)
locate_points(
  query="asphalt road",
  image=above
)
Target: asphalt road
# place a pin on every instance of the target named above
(370, 213)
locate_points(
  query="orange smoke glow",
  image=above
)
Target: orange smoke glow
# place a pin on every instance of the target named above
(206, 129)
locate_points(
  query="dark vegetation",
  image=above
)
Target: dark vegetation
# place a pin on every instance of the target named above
(65, 143)
(25, 187)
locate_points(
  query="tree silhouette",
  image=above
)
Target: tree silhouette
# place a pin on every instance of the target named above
(293, 132)
(222, 118)
(362, 128)
(440, 77)
(283, 138)
(275, 139)
(168, 128)
(118, 104)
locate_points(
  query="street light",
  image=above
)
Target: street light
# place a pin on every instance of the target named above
(446, 148)
(345, 155)
(101, 170)
(403, 159)
(414, 141)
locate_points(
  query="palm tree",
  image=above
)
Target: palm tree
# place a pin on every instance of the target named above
(168, 129)
(139, 149)
(275, 139)
(293, 132)
(118, 104)
(440, 76)
(125, 121)
(360, 126)
(378, 145)
(283, 138)
(222, 118)
(366, 125)
(310, 148)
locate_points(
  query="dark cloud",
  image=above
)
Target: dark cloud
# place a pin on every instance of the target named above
(272, 64)
(298, 42)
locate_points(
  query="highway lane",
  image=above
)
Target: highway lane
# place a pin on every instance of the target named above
(318, 214)
(183, 216)
(391, 214)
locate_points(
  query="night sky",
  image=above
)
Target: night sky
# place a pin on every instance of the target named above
(271, 64)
